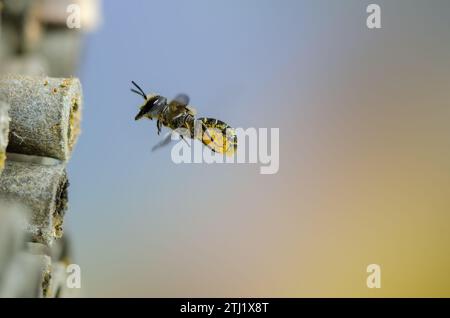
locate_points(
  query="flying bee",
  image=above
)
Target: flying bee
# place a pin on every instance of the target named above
(177, 114)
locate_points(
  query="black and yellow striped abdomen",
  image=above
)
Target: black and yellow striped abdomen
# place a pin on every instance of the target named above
(218, 136)
(213, 133)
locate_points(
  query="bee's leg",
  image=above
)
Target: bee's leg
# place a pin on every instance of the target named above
(207, 133)
(158, 125)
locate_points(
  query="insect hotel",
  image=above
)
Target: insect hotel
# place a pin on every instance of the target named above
(39, 125)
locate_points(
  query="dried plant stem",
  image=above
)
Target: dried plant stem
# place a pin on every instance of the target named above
(43, 189)
(45, 114)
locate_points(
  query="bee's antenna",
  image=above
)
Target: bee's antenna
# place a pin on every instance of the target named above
(141, 92)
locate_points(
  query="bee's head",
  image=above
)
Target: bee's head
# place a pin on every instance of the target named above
(152, 106)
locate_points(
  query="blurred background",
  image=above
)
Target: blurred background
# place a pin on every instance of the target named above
(364, 118)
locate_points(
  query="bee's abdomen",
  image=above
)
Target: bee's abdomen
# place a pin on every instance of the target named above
(218, 135)
(214, 123)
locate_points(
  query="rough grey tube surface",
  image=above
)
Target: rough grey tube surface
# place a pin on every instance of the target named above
(4, 130)
(43, 189)
(45, 114)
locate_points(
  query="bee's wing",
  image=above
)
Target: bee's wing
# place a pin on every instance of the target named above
(182, 99)
(179, 103)
(167, 139)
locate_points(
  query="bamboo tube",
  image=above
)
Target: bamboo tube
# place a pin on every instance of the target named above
(45, 114)
(4, 130)
(43, 189)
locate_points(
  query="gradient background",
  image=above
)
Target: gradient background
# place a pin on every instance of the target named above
(364, 118)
